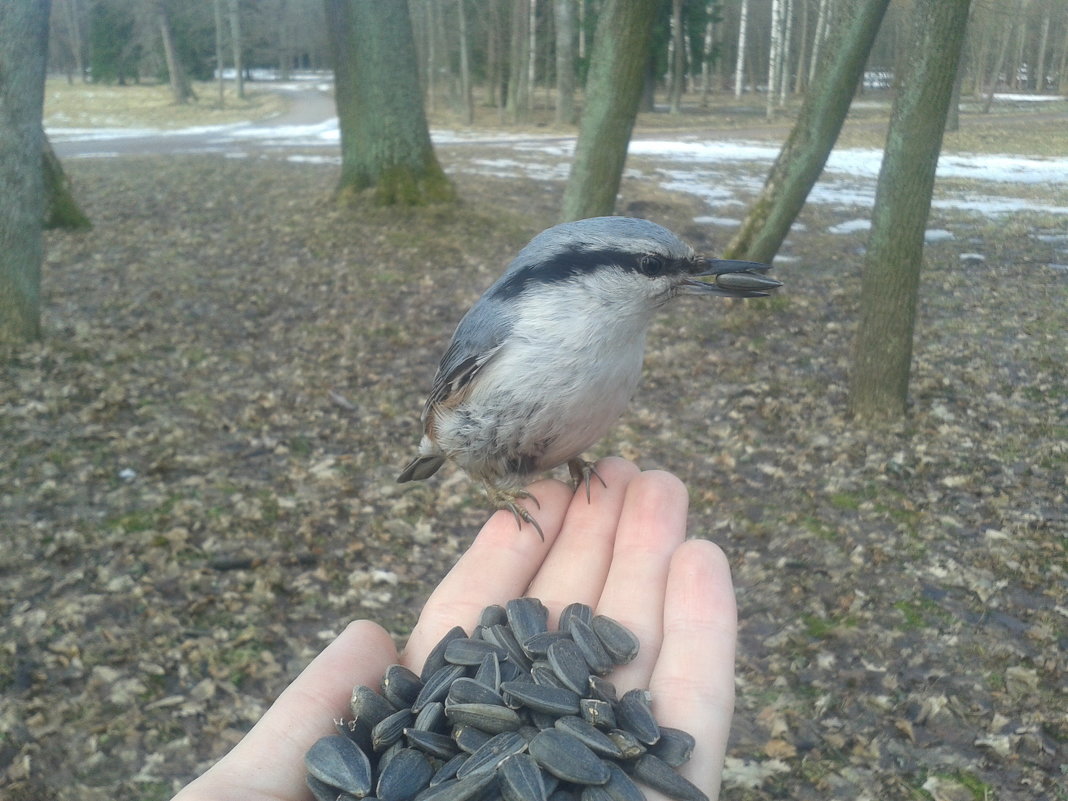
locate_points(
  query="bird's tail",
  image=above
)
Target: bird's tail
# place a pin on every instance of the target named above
(421, 467)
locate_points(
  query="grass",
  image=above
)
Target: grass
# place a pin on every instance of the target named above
(150, 105)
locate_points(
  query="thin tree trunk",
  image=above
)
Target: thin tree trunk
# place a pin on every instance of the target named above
(465, 67)
(1018, 52)
(582, 29)
(802, 56)
(999, 63)
(1062, 69)
(235, 40)
(74, 21)
(613, 90)
(739, 62)
(518, 75)
(706, 55)
(219, 63)
(953, 112)
(774, 56)
(812, 138)
(787, 50)
(23, 54)
(285, 47)
(532, 55)
(677, 59)
(180, 88)
(564, 11)
(495, 38)
(822, 15)
(1040, 61)
(878, 388)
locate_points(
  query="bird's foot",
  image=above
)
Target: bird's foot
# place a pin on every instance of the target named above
(506, 499)
(581, 470)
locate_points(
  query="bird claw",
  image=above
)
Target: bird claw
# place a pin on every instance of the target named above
(506, 499)
(581, 470)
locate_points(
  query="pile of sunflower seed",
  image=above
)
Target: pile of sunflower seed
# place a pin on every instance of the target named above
(513, 712)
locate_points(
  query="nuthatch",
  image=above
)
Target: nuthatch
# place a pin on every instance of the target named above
(546, 361)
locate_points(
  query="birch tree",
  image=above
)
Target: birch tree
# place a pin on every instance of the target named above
(882, 356)
(784, 61)
(739, 63)
(822, 15)
(775, 51)
(812, 137)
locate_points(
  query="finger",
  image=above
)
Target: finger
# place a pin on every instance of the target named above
(651, 527)
(577, 565)
(693, 682)
(268, 763)
(497, 567)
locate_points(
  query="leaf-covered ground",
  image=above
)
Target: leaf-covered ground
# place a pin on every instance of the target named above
(197, 481)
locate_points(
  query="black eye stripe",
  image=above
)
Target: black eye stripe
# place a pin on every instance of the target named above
(567, 264)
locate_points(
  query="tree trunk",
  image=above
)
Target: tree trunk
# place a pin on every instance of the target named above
(822, 15)
(882, 356)
(1040, 61)
(953, 112)
(999, 63)
(219, 61)
(496, 36)
(385, 143)
(564, 15)
(803, 155)
(787, 51)
(518, 77)
(706, 54)
(774, 56)
(74, 21)
(466, 98)
(532, 56)
(1062, 68)
(802, 54)
(285, 47)
(678, 58)
(180, 88)
(235, 40)
(61, 210)
(613, 89)
(23, 53)
(739, 63)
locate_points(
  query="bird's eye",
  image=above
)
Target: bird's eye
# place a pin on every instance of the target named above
(651, 265)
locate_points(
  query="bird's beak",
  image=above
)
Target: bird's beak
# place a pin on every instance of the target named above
(730, 278)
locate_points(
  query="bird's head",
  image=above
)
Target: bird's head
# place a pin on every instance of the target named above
(623, 262)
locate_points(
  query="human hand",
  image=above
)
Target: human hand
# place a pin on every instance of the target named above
(624, 553)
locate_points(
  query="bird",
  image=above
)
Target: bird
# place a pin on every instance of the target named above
(546, 361)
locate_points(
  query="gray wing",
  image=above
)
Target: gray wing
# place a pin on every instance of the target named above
(478, 337)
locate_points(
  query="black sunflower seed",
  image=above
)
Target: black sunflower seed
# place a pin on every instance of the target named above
(566, 758)
(658, 775)
(338, 762)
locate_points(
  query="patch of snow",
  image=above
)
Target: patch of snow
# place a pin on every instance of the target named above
(937, 235)
(726, 222)
(850, 226)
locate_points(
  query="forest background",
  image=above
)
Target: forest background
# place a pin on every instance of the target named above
(232, 366)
